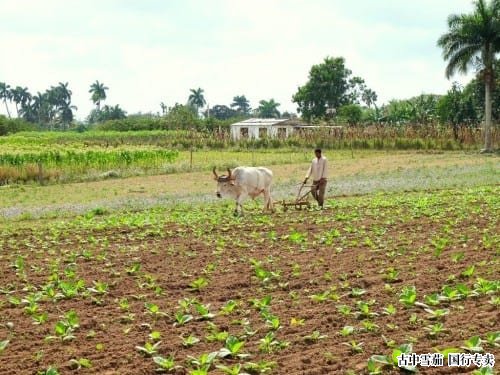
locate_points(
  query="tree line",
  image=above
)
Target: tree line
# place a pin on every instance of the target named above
(332, 94)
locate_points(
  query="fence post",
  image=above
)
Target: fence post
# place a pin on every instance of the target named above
(40, 173)
(191, 159)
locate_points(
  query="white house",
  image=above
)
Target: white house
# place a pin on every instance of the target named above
(264, 127)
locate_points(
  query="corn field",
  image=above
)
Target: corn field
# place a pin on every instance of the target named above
(69, 156)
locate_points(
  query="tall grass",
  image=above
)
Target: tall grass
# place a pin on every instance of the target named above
(371, 137)
(71, 156)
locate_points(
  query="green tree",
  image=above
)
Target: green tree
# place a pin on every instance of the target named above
(20, 96)
(351, 113)
(98, 93)
(221, 112)
(197, 99)
(456, 108)
(182, 117)
(473, 40)
(475, 91)
(330, 86)
(268, 109)
(106, 113)
(164, 108)
(241, 103)
(369, 97)
(5, 95)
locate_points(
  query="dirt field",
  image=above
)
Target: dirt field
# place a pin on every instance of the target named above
(324, 270)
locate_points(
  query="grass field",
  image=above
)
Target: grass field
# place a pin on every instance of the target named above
(62, 157)
(134, 275)
(363, 172)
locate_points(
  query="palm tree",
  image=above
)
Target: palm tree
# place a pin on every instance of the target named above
(164, 108)
(98, 91)
(473, 40)
(20, 95)
(5, 95)
(197, 99)
(268, 109)
(241, 103)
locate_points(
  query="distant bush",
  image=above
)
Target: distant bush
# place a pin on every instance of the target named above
(9, 126)
(132, 124)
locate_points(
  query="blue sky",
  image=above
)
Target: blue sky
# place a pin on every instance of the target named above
(153, 51)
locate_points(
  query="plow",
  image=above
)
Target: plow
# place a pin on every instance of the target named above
(301, 200)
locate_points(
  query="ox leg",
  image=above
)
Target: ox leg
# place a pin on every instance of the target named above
(268, 201)
(239, 206)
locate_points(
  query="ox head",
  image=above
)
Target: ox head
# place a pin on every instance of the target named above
(225, 184)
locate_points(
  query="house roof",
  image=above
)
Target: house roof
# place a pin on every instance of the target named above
(266, 122)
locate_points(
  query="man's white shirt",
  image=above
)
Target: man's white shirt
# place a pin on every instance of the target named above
(318, 169)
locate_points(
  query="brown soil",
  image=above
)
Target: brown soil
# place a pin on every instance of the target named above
(177, 255)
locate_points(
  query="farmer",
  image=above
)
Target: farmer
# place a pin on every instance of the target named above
(319, 171)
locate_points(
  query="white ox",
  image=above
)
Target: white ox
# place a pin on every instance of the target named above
(243, 182)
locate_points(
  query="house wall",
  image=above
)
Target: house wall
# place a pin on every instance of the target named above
(253, 131)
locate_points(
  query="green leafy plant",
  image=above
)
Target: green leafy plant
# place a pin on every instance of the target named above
(189, 341)
(484, 287)
(493, 339)
(357, 292)
(233, 348)
(261, 304)
(344, 310)
(198, 284)
(79, 363)
(408, 296)
(132, 270)
(261, 367)
(165, 364)
(347, 330)
(155, 335)
(389, 310)
(469, 271)
(364, 310)
(435, 329)
(391, 275)
(181, 318)
(229, 307)
(203, 311)
(268, 343)
(473, 345)
(437, 314)
(392, 359)
(154, 310)
(373, 368)
(369, 326)
(484, 371)
(50, 371)
(3, 345)
(204, 361)
(432, 299)
(314, 337)
(148, 349)
(354, 347)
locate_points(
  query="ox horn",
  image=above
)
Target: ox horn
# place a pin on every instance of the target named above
(229, 173)
(215, 173)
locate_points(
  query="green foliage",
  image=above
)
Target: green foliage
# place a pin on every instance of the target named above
(10, 126)
(268, 109)
(241, 104)
(107, 113)
(98, 91)
(473, 40)
(350, 113)
(330, 85)
(221, 112)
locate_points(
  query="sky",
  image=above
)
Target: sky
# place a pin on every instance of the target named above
(152, 51)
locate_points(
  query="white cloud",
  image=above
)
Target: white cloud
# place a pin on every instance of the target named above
(156, 51)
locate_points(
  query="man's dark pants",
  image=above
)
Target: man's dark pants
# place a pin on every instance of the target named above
(318, 191)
